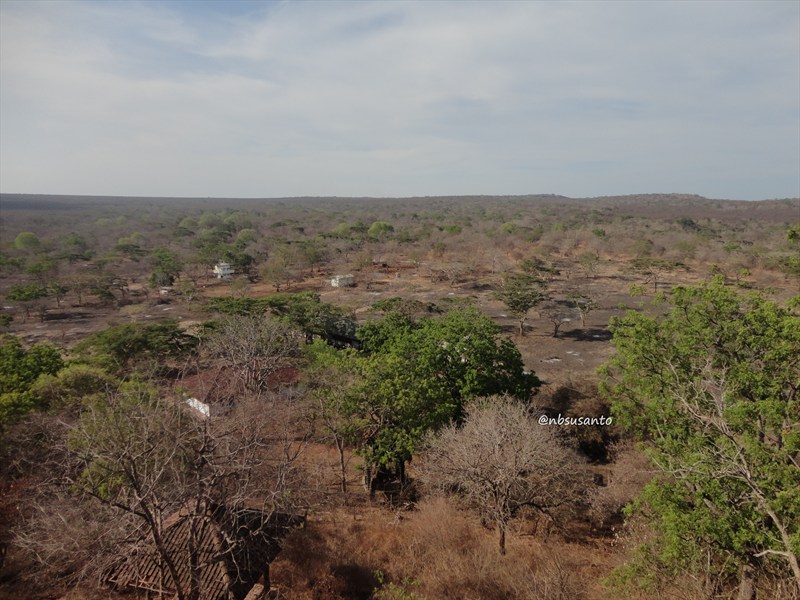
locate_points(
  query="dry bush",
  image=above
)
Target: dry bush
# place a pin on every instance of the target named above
(69, 543)
(580, 398)
(450, 556)
(336, 556)
(629, 472)
(435, 553)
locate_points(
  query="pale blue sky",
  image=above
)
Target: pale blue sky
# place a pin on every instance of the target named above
(265, 99)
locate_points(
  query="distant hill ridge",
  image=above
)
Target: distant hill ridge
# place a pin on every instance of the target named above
(14, 200)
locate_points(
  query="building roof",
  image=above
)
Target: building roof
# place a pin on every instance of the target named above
(224, 385)
(234, 549)
(219, 385)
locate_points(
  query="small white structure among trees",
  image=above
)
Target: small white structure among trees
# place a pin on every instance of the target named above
(223, 270)
(343, 281)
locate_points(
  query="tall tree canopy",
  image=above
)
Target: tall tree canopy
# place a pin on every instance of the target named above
(415, 376)
(713, 387)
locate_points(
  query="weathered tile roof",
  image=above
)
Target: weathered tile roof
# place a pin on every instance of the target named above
(234, 549)
(224, 385)
(220, 385)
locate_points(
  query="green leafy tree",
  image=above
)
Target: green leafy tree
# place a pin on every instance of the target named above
(42, 270)
(9, 262)
(713, 388)
(246, 236)
(539, 268)
(232, 305)
(654, 269)
(27, 241)
(26, 292)
(520, 293)
(166, 267)
(413, 377)
(131, 246)
(406, 306)
(74, 247)
(342, 231)
(379, 230)
(277, 269)
(589, 262)
(241, 261)
(121, 347)
(313, 254)
(329, 391)
(583, 303)
(307, 312)
(29, 295)
(57, 290)
(790, 264)
(72, 387)
(19, 370)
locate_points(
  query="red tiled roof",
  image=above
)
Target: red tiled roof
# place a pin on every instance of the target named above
(223, 385)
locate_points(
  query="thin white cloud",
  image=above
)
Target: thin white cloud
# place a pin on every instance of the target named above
(400, 98)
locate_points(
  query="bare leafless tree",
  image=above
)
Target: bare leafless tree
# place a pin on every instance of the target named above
(256, 347)
(501, 462)
(147, 458)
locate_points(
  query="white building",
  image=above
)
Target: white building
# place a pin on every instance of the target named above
(343, 281)
(223, 270)
(207, 409)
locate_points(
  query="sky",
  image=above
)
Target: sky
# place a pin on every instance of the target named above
(301, 98)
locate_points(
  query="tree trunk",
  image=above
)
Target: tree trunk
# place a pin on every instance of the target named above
(342, 469)
(165, 556)
(502, 529)
(747, 588)
(522, 327)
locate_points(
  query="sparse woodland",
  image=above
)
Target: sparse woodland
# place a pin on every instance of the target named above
(436, 431)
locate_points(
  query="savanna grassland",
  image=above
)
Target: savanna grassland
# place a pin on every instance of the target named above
(365, 409)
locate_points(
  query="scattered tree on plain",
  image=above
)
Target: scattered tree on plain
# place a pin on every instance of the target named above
(521, 293)
(583, 303)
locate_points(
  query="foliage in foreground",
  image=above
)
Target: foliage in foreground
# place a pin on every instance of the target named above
(713, 389)
(19, 370)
